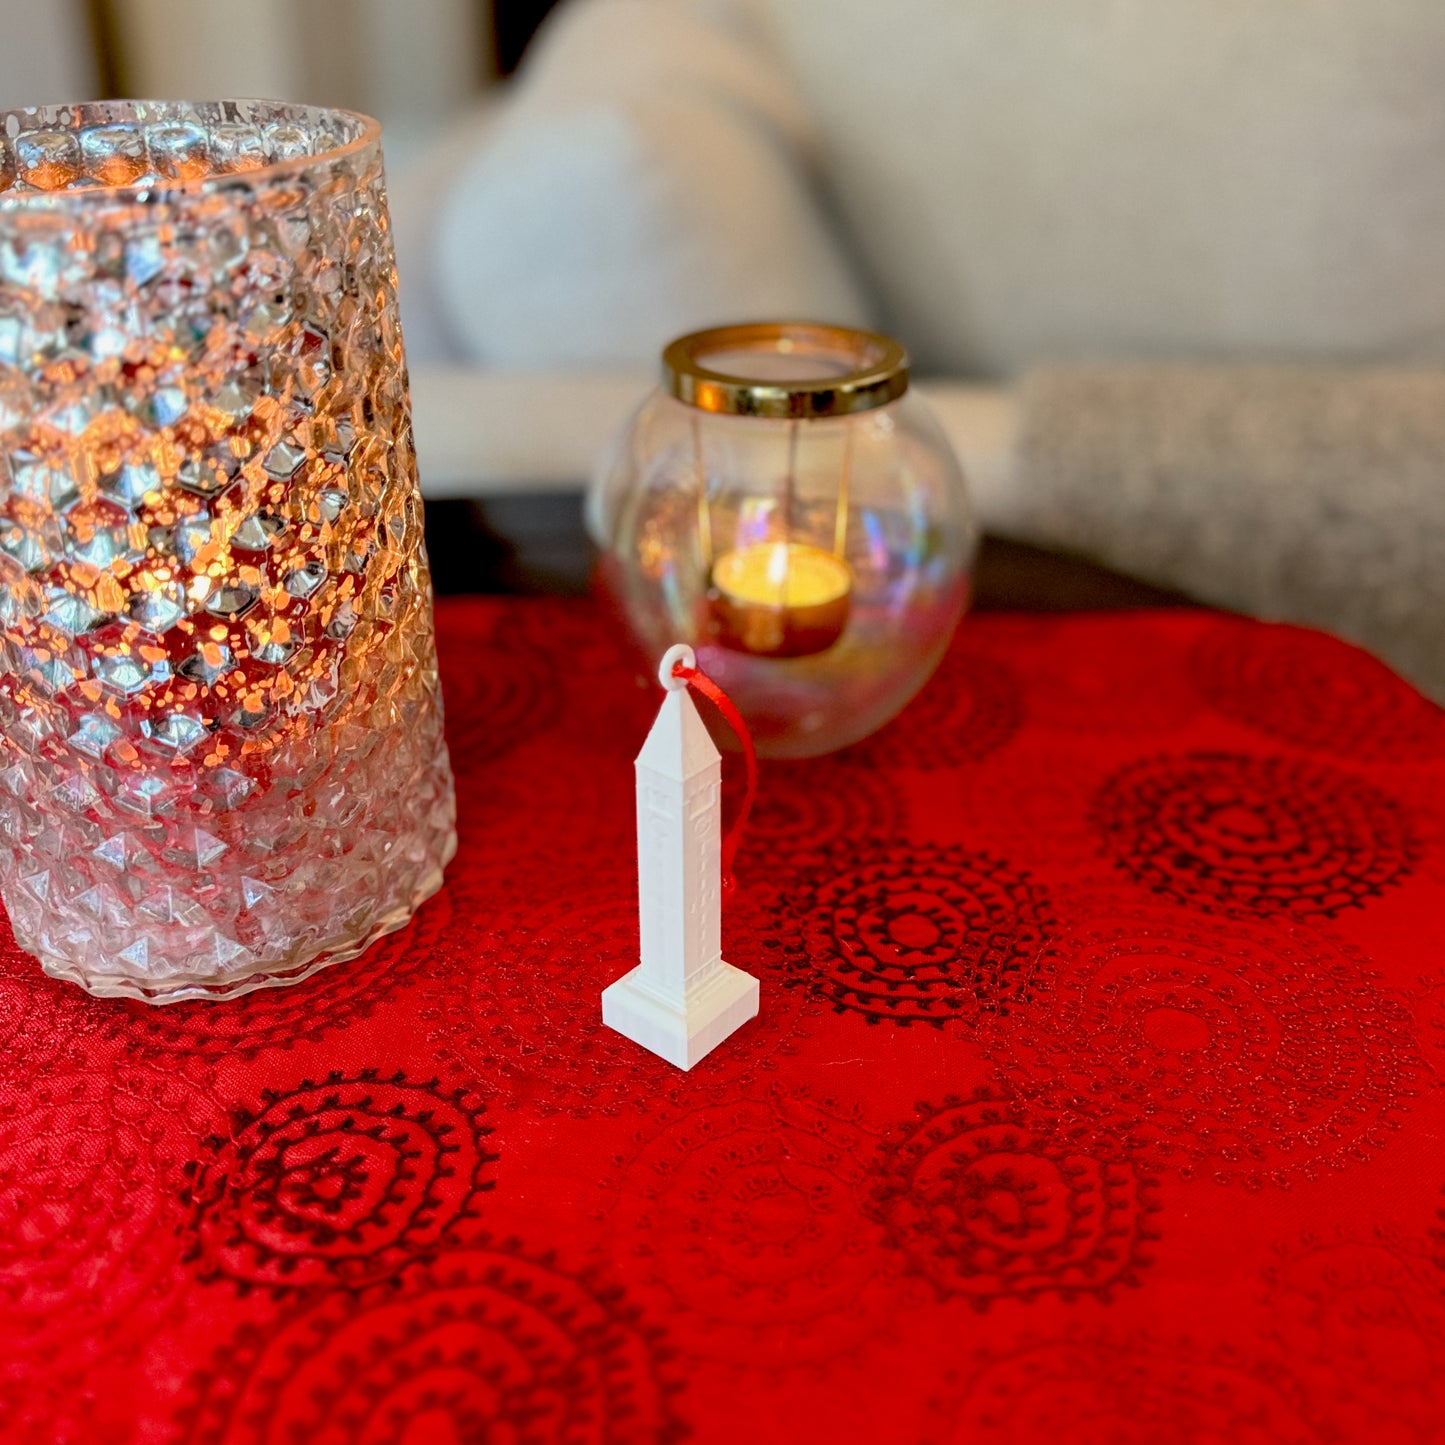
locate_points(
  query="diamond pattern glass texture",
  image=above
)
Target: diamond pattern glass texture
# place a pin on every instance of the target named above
(223, 764)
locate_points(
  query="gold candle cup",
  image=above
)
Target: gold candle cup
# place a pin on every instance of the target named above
(779, 599)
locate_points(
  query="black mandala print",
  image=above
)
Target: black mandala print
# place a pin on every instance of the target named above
(1106, 1389)
(921, 935)
(1235, 1050)
(985, 1204)
(484, 1343)
(968, 710)
(1314, 692)
(1262, 835)
(339, 1182)
(743, 1224)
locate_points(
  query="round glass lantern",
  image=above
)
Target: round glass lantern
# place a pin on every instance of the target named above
(785, 505)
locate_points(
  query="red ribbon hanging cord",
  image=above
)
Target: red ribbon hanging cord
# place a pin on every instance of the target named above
(699, 681)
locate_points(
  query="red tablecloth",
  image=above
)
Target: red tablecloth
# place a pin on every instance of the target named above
(1095, 1095)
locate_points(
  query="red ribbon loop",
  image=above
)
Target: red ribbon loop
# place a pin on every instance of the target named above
(697, 679)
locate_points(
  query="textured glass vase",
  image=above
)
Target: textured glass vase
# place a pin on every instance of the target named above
(223, 764)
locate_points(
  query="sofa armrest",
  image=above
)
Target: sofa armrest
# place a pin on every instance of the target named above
(483, 433)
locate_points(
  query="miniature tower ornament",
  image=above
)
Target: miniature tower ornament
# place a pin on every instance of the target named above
(682, 1000)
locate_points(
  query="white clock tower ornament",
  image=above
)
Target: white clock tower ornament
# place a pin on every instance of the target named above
(682, 1000)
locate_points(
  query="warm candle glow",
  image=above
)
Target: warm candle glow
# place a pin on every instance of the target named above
(782, 574)
(780, 599)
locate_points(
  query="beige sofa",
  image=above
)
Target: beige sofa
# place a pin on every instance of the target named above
(1008, 187)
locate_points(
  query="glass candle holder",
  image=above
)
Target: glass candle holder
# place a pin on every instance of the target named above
(221, 745)
(788, 507)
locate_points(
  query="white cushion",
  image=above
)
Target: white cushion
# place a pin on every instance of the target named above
(1079, 178)
(646, 180)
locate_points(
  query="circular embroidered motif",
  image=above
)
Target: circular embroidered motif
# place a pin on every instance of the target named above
(1126, 1391)
(985, 1206)
(606, 688)
(42, 1020)
(584, 638)
(484, 1343)
(1226, 1050)
(1033, 812)
(88, 1217)
(1087, 681)
(804, 812)
(1261, 835)
(514, 820)
(1363, 1322)
(1427, 1003)
(339, 1182)
(922, 935)
(971, 707)
(521, 1007)
(1425, 788)
(1315, 692)
(498, 693)
(743, 1223)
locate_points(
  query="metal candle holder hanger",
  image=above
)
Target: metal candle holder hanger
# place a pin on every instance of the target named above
(782, 598)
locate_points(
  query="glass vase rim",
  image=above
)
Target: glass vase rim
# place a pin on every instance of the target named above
(878, 372)
(142, 112)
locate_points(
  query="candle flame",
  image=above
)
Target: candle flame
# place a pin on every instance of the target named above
(778, 568)
(783, 599)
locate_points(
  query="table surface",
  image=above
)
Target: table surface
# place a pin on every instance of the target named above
(526, 544)
(1095, 1096)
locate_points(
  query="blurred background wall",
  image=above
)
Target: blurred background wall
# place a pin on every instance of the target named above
(46, 52)
(412, 63)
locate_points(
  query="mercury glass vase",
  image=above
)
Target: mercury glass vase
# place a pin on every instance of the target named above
(223, 765)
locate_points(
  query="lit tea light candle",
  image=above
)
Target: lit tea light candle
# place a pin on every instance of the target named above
(780, 599)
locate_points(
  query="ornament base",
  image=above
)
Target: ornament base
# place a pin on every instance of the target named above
(687, 1030)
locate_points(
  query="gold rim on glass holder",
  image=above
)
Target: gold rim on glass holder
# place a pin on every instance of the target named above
(878, 374)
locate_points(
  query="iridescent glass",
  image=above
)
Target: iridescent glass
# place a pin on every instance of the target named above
(795, 456)
(222, 763)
